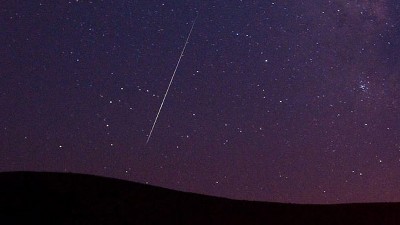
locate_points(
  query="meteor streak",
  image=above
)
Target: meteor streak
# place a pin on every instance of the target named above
(172, 79)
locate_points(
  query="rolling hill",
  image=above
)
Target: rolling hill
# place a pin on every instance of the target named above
(60, 198)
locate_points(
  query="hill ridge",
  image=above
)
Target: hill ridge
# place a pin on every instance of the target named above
(70, 198)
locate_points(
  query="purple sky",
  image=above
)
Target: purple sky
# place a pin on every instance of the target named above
(272, 101)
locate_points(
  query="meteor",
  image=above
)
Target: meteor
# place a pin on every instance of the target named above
(172, 79)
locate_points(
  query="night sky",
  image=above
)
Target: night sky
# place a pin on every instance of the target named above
(289, 101)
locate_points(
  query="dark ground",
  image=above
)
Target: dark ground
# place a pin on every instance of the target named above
(56, 198)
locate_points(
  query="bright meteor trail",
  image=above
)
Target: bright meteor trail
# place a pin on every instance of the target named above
(172, 79)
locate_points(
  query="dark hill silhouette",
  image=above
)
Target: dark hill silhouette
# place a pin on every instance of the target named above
(57, 198)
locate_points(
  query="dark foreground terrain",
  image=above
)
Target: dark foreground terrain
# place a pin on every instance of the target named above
(56, 198)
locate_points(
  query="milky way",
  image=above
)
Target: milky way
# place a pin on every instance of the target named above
(273, 101)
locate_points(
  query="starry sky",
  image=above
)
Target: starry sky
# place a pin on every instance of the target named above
(288, 101)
